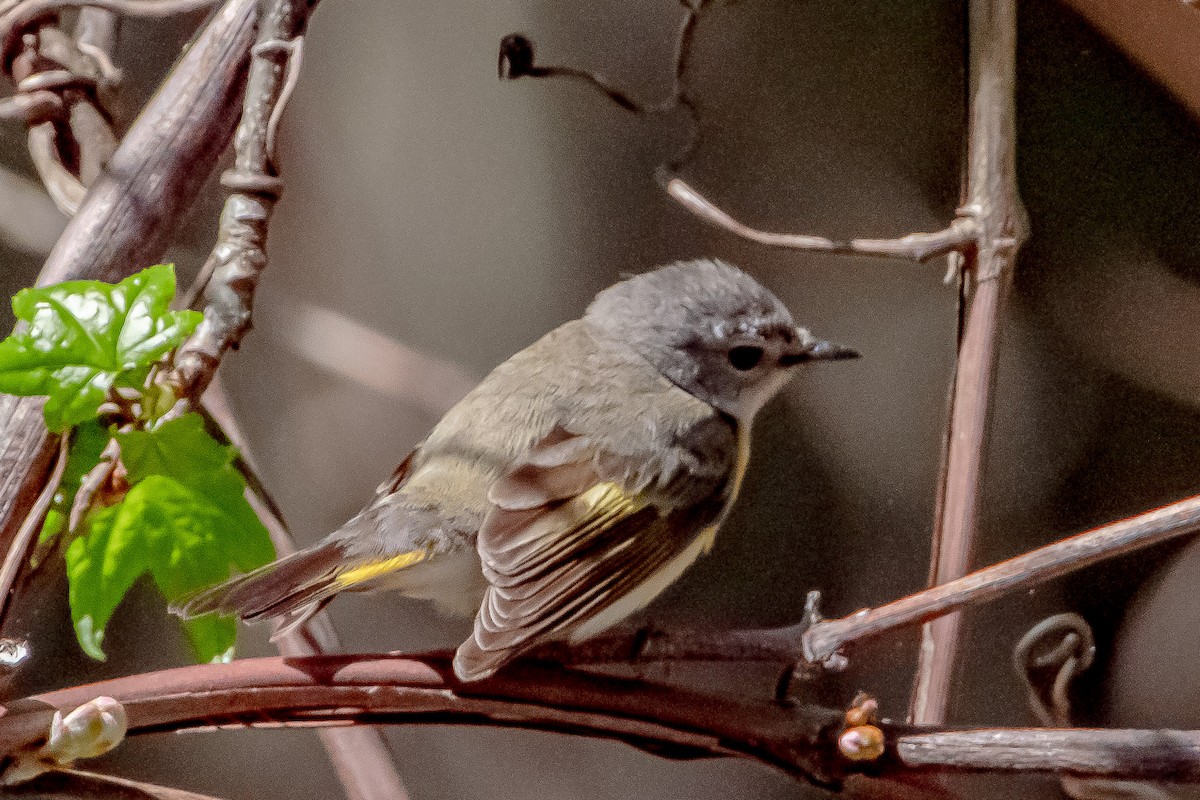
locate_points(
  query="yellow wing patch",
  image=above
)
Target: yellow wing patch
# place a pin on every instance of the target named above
(374, 569)
(609, 498)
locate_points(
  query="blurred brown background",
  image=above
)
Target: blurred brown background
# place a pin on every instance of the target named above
(453, 219)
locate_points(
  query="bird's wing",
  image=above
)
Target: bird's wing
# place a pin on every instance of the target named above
(573, 530)
(399, 476)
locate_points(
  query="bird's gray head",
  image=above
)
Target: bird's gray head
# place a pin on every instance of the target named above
(710, 329)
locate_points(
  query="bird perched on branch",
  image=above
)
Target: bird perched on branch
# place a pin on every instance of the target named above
(575, 483)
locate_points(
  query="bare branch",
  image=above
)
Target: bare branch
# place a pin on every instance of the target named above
(517, 61)
(825, 638)
(1130, 754)
(168, 153)
(239, 256)
(914, 246)
(1000, 225)
(130, 212)
(70, 784)
(18, 552)
(359, 756)
(668, 721)
(334, 342)
(304, 692)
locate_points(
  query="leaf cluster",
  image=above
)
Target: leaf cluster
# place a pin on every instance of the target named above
(151, 496)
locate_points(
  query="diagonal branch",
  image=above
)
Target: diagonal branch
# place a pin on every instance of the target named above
(359, 756)
(128, 215)
(821, 641)
(825, 638)
(70, 784)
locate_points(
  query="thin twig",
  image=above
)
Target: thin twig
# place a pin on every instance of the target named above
(914, 246)
(1000, 227)
(517, 61)
(70, 784)
(18, 552)
(823, 639)
(240, 256)
(97, 478)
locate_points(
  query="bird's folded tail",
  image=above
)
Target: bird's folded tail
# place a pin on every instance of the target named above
(291, 589)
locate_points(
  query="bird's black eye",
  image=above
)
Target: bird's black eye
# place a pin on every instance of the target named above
(745, 357)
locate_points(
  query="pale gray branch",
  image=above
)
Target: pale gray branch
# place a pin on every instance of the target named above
(915, 246)
(823, 639)
(1000, 227)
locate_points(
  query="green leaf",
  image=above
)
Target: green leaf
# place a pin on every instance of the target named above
(85, 336)
(179, 448)
(185, 535)
(101, 567)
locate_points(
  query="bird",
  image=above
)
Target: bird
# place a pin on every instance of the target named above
(575, 483)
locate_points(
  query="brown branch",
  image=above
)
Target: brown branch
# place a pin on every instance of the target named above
(366, 689)
(130, 212)
(360, 757)
(677, 723)
(17, 556)
(825, 638)
(822, 640)
(1000, 224)
(169, 152)
(239, 256)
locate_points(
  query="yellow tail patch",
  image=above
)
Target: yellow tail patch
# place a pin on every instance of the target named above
(373, 569)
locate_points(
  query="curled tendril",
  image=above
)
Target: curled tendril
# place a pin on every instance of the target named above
(1062, 645)
(517, 60)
